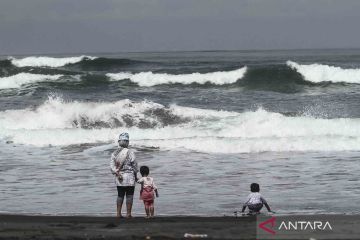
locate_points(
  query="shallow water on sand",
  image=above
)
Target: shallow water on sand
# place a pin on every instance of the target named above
(76, 180)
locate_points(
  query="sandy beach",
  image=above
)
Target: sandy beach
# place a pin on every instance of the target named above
(177, 227)
(86, 227)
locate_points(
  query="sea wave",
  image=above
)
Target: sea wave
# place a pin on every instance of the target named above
(324, 73)
(148, 79)
(56, 113)
(20, 79)
(42, 61)
(5, 63)
(288, 78)
(59, 122)
(103, 64)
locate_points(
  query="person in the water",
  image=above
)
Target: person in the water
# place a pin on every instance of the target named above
(255, 200)
(124, 167)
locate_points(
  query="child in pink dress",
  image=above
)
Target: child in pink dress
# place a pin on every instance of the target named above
(148, 188)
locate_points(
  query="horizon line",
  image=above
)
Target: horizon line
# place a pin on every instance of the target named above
(176, 51)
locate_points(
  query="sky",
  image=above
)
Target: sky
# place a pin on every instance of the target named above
(85, 26)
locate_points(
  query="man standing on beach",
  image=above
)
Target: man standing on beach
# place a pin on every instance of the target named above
(124, 166)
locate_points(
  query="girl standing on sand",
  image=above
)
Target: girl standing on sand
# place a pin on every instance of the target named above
(124, 166)
(148, 188)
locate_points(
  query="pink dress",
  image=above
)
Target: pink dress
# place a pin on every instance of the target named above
(147, 189)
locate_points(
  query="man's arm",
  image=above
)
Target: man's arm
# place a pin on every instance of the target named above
(131, 156)
(113, 168)
(132, 159)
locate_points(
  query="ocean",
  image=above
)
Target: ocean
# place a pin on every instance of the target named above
(208, 124)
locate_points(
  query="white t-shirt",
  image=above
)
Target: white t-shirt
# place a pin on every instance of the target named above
(147, 182)
(255, 198)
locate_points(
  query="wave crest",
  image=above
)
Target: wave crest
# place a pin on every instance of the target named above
(324, 73)
(57, 122)
(43, 61)
(20, 79)
(148, 79)
(56, 113)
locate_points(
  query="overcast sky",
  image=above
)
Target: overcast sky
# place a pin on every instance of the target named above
(75, 26)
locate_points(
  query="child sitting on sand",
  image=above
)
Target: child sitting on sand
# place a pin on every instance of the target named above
(147, 191)
(255, 201)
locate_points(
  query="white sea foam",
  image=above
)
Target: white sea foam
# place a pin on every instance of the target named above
(56, 113)
(147, 79)
(16, 81)
(52, 123)
(320, 73)
(42, 61)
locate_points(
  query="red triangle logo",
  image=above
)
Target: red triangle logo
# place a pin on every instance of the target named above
(271, 222)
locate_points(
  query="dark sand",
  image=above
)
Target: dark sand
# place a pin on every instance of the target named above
(83, 227)
(90, 227)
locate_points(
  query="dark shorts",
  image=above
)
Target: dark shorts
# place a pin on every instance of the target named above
(128, 191)
(255, 207)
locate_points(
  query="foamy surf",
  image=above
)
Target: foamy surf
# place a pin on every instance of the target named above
(43, 61)
(20, 79)
(324, 73)
(61, 123)
(148, 79)
(57, 113)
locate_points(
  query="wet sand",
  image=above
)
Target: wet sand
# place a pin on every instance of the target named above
(84, 227)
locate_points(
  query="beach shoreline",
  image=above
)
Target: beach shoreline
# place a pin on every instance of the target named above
(90, 227)
(340, 226)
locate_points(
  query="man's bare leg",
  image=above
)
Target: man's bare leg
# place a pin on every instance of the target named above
(119, 203)
(129, 203)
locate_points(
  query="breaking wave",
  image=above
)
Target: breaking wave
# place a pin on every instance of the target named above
(58, 122)
(47, 61)
(56, 113)
(323, 73)
(20, 79)
(289, 78)
(148, 79)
